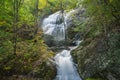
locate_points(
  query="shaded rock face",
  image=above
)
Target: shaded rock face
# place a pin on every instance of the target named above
(51, 42)
(72, 24)
(99, 58)
(26, 31)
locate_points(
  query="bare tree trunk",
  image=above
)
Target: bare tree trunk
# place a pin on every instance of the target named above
(36, 17)
(15, 25)
(16, 6)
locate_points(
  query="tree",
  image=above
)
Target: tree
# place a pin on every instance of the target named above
(16, 7)
(36, 16)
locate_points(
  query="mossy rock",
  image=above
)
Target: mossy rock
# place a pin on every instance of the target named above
(94, 79)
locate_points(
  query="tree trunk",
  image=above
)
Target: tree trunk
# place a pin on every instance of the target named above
(15, 23)
(36, 17)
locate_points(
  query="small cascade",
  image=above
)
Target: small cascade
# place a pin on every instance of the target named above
(54, 25)
(66, 69)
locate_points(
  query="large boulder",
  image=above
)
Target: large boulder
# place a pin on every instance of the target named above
(99, 58)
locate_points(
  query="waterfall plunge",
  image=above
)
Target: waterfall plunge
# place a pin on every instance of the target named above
(54, 26)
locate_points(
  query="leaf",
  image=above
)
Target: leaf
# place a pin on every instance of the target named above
(7, 68)
(42, 4)
(110, 1)
(2, 23)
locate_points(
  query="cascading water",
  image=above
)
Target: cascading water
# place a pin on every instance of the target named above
(66, 69)
(54, 26)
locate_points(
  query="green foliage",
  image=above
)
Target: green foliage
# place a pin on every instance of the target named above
(31, 52)
(102, 16)
(6, 13)
(30, 55)
(50, 6)
(26, 12)
(101, 27)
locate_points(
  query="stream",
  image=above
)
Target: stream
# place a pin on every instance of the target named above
(54, 26)
(66, 68)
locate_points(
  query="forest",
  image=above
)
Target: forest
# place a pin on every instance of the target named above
(59, 39)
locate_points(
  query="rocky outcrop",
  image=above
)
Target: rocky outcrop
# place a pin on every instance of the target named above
(99, 57)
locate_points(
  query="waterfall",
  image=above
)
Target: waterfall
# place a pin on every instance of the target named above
(66, 69)
(54, 25)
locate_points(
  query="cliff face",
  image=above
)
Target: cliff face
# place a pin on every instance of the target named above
(99, 57)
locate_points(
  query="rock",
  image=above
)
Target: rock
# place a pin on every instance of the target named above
(110, 77)
(49, 40)
(96, 61)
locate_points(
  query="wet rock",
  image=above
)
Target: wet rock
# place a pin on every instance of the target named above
(95, 59)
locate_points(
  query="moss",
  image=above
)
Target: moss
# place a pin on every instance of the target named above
(96, 58)
(86, 42)
(94, 79)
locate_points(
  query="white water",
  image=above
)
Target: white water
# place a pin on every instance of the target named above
(66, 69)
(52, 25)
